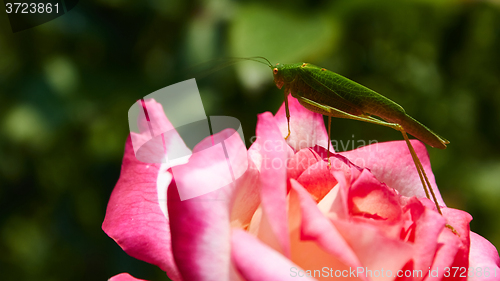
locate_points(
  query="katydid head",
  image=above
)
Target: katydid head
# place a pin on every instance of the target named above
(285, 73)
(278, 75)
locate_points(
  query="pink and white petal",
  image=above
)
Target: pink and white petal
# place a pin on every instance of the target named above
(201, 225)
(460, 221)
(255, 261)
(426, 229)
(307, 128)
(124, 277)
(273, 229)
(134, 217)
(255, 152)
(314, 227)
(374, 249)
(200, 234)
(335, 203)
(300, 161)
(392, 164)
(317, 180)
(448, 245)
(483, 257)
(153, 119)
(369, 197)
(247, 198)
(453, 249)
(157, 136)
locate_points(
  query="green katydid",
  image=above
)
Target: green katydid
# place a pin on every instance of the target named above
(333, 95)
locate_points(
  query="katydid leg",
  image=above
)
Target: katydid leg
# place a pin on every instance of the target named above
(329, 140)
(287, 110)
(421, 171)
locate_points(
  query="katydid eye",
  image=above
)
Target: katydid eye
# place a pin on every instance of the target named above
(275, 70)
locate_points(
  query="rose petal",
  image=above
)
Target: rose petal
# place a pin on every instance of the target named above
(247, 198)
(448, 244)
(124, 277)
(307, 128)
(255, 261)
(426, 228)
(367, 196)
(460, 221)
(483, 259)
(392, 164)
(201, 225)
(453, 249)
(134, 218)
(273, 227)
(317, 180)
(157, 137)
(156, 120)
(337, 197)
(375, 250)
(315, 227)
(301, 161)
(335, 203)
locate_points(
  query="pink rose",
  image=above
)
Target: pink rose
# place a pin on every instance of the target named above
(288, 215)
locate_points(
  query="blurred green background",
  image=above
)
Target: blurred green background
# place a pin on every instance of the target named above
(66, 87)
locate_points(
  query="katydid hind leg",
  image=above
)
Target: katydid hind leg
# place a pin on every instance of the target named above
(287, 110)
(420, 169)
(333, 112)
(329, 141)
(421, 172)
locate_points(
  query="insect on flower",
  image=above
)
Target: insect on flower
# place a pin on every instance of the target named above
(333, 95)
